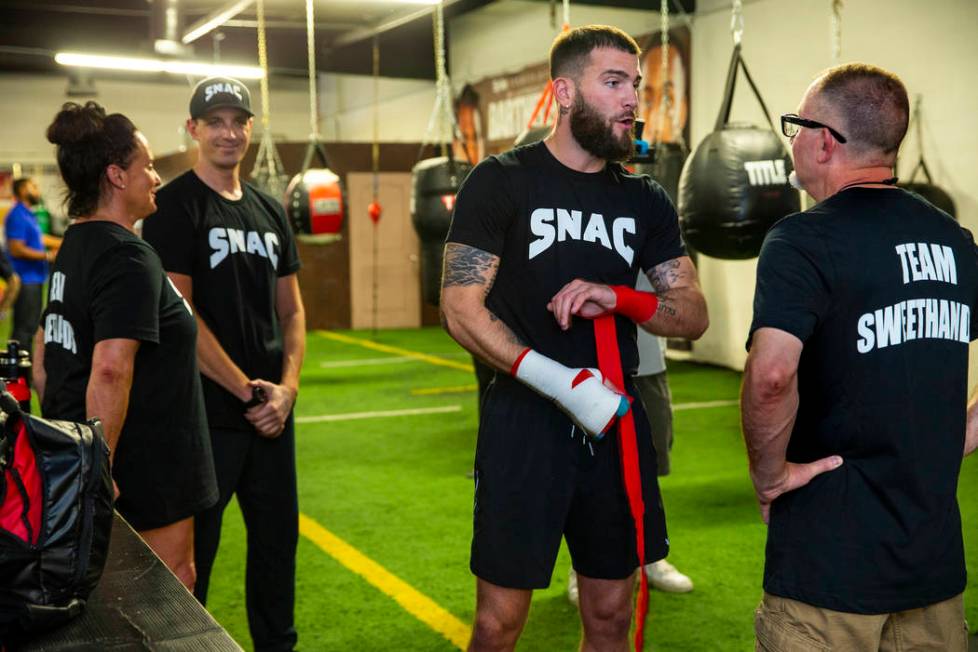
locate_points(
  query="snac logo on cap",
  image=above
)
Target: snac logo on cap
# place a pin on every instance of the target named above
(224, 87)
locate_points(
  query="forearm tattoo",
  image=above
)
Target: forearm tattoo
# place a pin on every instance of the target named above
(665, 276)
(510, 335)
(667, 307)
(465, 265)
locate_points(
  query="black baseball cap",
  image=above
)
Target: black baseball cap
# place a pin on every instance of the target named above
(215, 92)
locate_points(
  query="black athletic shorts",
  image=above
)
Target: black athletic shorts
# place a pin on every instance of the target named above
(537, 479)
(6, 269)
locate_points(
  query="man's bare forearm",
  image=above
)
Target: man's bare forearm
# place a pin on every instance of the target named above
(217, 365)
(293, 348)
(971, 430)
(768, 411)
(682, 307)
(467, 280)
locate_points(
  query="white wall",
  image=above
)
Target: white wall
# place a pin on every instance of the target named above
(786, 44)
(348, 108)
(159, 108)
(507, 35)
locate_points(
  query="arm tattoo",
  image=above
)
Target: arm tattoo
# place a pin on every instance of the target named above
(466, 265)
(667, 307)
(510, 335)
(665, 275)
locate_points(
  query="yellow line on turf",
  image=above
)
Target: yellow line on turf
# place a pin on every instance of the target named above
(457, 389)
(376, 346)
(415, 603)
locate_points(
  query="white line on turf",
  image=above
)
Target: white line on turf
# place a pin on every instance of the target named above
(703, 404)
(329, 364)
(381, 414)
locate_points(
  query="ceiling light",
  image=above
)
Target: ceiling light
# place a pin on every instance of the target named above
(171, 66)
(214, 20)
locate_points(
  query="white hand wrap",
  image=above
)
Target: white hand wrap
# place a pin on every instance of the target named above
(580, 393)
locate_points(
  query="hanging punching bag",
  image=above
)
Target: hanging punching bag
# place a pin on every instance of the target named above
(734, 186)
(533, 135)
(314, 197)
(434, 185)
(929, 190)
(666, 167)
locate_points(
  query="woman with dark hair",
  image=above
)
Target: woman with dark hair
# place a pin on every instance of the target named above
(118, 342)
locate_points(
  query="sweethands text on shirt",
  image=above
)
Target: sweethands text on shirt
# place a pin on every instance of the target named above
(57, 329)
(916, 319)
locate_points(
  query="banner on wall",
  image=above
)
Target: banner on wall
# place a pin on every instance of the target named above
(493, 111)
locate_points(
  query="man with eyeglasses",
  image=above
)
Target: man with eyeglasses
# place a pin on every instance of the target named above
(855, 388)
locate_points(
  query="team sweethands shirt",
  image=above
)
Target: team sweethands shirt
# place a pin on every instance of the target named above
(234, 251)
(882, 288)
(549, 225)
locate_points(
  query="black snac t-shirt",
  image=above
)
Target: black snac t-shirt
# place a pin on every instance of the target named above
(549, 225)
(882, 289)
(107, 283)
(235, 251)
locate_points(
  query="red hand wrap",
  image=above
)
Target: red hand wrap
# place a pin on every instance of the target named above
(637, 306)
(519, 359)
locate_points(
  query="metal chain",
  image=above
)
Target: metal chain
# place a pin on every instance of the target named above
(737, 22)
(375, 167)
(664, 100)
(442, 120)
(311, 45)
(836, 31)
(268, 172)
(920, 123)
(375, 147)
(263, 62)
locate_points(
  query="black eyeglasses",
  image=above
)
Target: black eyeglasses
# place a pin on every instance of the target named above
(790, 122)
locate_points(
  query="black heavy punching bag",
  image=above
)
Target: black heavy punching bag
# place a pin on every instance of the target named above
(435, 182)
(666, 166)
(734, 186)
(929, 191)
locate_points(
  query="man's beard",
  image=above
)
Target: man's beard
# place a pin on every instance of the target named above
(596, 135)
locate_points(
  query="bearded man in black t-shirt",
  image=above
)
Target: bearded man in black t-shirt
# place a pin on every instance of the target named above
(228, 248)
(545, 246)
(855, 388)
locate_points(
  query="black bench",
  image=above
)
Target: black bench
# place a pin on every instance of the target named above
(138, 605)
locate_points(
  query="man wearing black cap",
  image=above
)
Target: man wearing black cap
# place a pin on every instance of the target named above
(229, 249)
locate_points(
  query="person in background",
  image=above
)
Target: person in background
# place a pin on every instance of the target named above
(29, 251)
(11, 285)
(118, 342)
(252, 340)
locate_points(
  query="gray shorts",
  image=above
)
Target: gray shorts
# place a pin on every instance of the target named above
(653, 391)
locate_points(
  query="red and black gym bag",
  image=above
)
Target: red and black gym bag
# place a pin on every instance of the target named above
(55, 518)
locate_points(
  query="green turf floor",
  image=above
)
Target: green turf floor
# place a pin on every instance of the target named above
(396, 489)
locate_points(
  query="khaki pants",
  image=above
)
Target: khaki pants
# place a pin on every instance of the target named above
(783, 625)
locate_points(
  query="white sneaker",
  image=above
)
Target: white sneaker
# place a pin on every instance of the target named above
(572, 595)
(663, 576)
